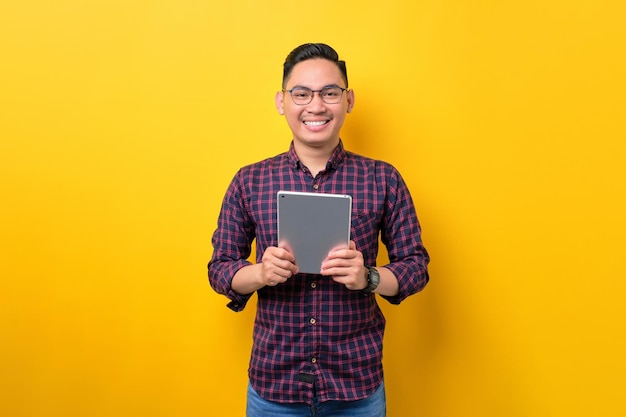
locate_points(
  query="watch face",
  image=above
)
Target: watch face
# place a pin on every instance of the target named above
(374, 279)
(377, 275)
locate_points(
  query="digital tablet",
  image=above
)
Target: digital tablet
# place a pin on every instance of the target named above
(311, 224)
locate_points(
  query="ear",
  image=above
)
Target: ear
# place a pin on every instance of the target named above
(350, 96)
(280, 101)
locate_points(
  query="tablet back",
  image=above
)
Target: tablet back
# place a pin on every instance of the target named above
(311, 224)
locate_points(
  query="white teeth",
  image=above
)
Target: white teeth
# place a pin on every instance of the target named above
(315, 123)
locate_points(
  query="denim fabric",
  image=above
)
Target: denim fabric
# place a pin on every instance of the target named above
(373, 406)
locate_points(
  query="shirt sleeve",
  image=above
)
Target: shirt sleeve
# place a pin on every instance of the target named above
(232, 243)
(402, 236)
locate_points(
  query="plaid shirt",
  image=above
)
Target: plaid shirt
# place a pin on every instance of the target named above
(310, 331)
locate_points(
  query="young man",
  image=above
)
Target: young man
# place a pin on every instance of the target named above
(317, 337)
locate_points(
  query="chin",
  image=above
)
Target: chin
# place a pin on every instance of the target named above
(317, 141)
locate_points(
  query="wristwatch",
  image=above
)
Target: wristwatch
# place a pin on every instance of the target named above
(373, 279)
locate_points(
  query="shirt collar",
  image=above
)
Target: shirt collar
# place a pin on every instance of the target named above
(335, 158)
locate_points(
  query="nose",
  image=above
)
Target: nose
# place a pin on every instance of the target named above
(317, 104)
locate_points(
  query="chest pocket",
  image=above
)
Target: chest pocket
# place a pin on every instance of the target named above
(364, 231)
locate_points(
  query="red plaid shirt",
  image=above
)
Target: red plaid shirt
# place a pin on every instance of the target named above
(311, 331)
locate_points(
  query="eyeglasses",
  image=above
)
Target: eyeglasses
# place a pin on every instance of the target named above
(329, 95)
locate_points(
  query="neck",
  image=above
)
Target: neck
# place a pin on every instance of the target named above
(315, 158)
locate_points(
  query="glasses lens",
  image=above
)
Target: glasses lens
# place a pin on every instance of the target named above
(331, 95)
(301, 95)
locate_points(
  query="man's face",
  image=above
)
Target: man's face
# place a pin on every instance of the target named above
(316, 124)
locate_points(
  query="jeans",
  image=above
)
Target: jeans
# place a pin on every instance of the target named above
(372, 406)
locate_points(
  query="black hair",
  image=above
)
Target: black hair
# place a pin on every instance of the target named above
(313, 51)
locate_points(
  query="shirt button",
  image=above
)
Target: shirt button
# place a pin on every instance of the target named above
(312, 321)
(313, 360)
(316, 186)
(313, 285)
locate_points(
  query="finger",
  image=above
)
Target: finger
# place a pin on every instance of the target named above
(338, 262)
(336, 271)
(279, 252)
(283, 273)
(280, 258)
(287, 252)
(288, 265)
(344, 253)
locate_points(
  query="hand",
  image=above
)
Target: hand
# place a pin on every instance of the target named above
(346, 266)
(277, 265)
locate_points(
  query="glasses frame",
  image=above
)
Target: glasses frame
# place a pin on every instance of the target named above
(319, 92)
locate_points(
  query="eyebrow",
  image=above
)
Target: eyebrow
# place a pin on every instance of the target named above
(326, 86)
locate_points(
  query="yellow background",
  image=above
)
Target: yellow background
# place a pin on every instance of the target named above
(122, 122)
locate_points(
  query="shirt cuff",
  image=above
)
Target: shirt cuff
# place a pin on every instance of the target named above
(237, 301)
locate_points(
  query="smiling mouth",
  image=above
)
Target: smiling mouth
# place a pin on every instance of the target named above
(316, 123)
